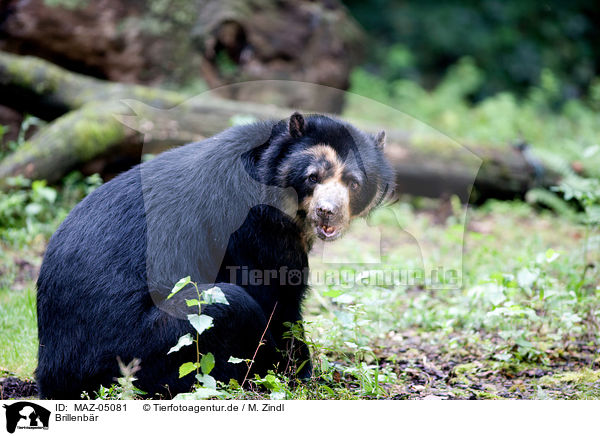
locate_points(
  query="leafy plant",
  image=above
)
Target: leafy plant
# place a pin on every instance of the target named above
(124, 388)
(204, 363)
(30, 208)
(276, 385)
(28, 122)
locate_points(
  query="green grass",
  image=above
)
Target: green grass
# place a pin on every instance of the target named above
(18, 332)
(580, 385)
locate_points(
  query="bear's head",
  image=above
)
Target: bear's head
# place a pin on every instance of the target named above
(337, 171)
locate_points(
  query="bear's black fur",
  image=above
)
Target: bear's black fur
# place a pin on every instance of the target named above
(210, 210)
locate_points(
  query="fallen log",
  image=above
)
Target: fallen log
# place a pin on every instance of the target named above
(95, 118)
(40, 88)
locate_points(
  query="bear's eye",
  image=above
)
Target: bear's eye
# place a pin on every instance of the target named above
(313, 178)
(354, 185)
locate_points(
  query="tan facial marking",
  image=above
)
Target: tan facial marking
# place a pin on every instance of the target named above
(328, 207)
(331, 193)
(325, 152)
(319, 153)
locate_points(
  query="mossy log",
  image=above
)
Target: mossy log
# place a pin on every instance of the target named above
(94, 118)
(38, 87)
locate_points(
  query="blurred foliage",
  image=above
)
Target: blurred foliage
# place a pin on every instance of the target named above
(565, 136)
(28, 126)
(30, 209)
(512, 43)
(66, 4)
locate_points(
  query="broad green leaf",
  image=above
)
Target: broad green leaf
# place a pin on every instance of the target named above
(301, 366)
(344, 299)
(214, 295)
(504, 357)
(186, 368)
(192, 302)
(593, 213)
(551, 255)
(591, 150)
(182, 342)
(200, 322)
(47, 194)
(333, 293)
(207, 381)
(180, 285)
(277, 395)
(324, 364)
(351, 345)
(327, 389)
(526, 278)
(201, 394)
(185, 396)
(207, 363)
(521, 342)
(33, 209)
(234, 360)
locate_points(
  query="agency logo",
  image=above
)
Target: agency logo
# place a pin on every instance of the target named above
(26, 415)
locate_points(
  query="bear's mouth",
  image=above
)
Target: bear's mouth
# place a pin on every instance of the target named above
(327, 232)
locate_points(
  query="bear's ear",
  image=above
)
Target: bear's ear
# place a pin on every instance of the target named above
(380, 140)
(296, 125)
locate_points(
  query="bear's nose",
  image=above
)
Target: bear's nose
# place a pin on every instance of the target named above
(326, 211)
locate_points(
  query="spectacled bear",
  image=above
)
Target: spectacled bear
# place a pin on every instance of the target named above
(239, 211)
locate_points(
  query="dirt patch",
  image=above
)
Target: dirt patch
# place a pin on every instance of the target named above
(13, 387)
(429, 371)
